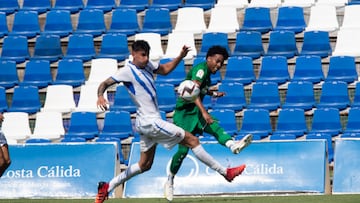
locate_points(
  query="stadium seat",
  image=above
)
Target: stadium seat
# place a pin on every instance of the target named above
(210, 39)
(334, 94)
(219, 15)
(336, 3)
(291, 122)
(122, 100)
(15, 48)
(303, 3)
(274, 69)
(80, 46)
(8, 74)
(204, 4)
(326, 120)
(342, 68)
(353, 122)
(166, 97)
(226, 119)
(190, 19)
(157, 20)
(279, 136)
(114, 46)
(48, 125)
(73, 139)
(154, 40)
(299, 94)
(353, 2)
(74, 6)
(234, 98)
(356, 99)
(91, 21)
(47, 47)
(9, 6)
(88, 98)
(257, 122)
(83, 124)
(117, 124)
(175, 76)
(248, 43)
(290, 18)
(3, 100)
(37, 140)
(351, 14)
(239, 69)
(316, 43)
(37, 73)
(26, 23)
(329, 143)
(175, 43)
(70, 72)
(138, 5)
(238, 4)
(264, 95)
(119, 146)
(16, 126)
(103, 5)
(347, 42)
(39, 6)
(308, 68)
(4, 29)
(265, 3)
(257, 19)
(101, 69)
(124, 21)
(322, 18)
(25, 99)
(282, 43)
(58, 22)
(59, 98)
(172, 5)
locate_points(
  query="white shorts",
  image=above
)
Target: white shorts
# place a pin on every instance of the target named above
(161, 132)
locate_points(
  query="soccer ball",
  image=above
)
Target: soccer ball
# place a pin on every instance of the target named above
(188, 90)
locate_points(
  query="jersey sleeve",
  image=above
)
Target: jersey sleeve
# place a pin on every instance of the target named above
(198, 73)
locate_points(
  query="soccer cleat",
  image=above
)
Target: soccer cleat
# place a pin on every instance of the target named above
(102, 194)
(231, 173)
(241, 144)
(168, 190)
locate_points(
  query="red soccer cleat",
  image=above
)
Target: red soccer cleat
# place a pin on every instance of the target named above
(231, 173)
(102, 194)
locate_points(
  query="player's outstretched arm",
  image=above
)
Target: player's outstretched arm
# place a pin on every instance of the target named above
(166, 68)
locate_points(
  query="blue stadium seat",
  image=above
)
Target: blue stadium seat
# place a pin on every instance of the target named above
(80, 46)
(47, 47)
(299, 94)
(138, 5)
(122, 100)
(353, 122)
(37, 140)
(356, 99)
(175, 77)
(117, 124)
(37, 73)
(279, 136)
(73, 6)
(58, 22)
(257, 19)
(8, 74)
(157, 20)
(172, 5)
(308, 68)
(3, 100)
(226, 119)
(91, 21)
(9, 6)
(316, 43)
(204, 4)
(4, 30)
(15, 48)
(124, 21)
(70, 72)
(40, 6)
(326, 120)
(210, 39)
(257, 122)
(274, 69)
(83, 124)
(329, 143)
(103, 5)
(264, 95)
(334, 94)
(282, 43)
(290, 18)
(25, 99)
(234, 98)
(73, 139)
(291, 122)
(239, 69)
(342, 68)
(166, 96)
(248, 43)
(114, 46)
(26, 23)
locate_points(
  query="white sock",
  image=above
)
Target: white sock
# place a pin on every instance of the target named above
(229, 143)
(203, 156)
(171, 178)
(130, 172)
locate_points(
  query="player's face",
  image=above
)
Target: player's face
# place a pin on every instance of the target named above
(215, 62)
(140, 58)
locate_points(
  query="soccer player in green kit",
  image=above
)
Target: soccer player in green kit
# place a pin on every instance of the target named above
(193, 116)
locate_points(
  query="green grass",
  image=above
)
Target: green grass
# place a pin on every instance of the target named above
(238, 199)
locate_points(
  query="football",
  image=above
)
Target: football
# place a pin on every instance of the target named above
(188, 90)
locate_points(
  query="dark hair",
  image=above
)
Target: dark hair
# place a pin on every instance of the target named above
(217, 50)
(141, 45)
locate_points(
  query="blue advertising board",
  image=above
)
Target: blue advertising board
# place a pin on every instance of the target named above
(58, 170)
(271, 167)
(346, 166)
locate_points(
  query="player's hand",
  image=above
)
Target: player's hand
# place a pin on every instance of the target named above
(102, 103)
(208, 118)
(184, 51)
(218, 94)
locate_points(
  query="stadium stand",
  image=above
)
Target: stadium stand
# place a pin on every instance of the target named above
(227, 120)
(37, 73)
(59, 98)
(91, 21)
(9, 6)
(47, 47)
(157, 20)
(190, 19)
(73, 6)
(334, 94)
(48, 125)
(234, 98)
(124, 21)
(219, 15)
(16, 125)
(322, 18)
(291, 121)
(299, 94)
(290, 18)
(3, 101)
(239, 69)
(83, 124)
(114, 46)
(257, 19)
(265, 95)
(25, 99)
(210, 39)
(274, 69)
(26, 23)
(113, 128)
(166, 97)
(15, 48)
(138, 5)
(282, 43)
(175, 77)
(256, 122)
(4, 29)
(317, 43)
(104, 5)
(248, 43)
(58, 22)
(308, 68)
(39, 6)
(342, 68)
(8, 74)
(172, 5)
